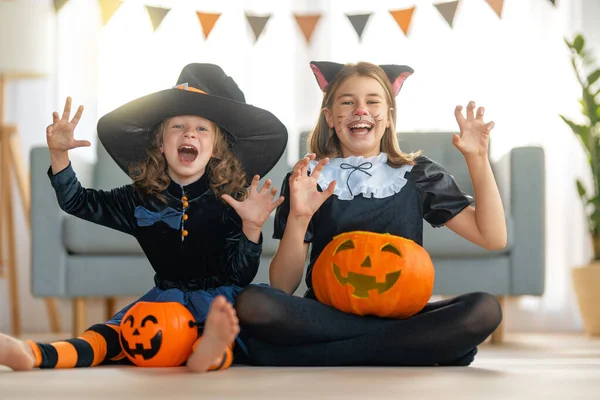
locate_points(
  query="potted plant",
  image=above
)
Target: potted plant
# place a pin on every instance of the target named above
(586, 279)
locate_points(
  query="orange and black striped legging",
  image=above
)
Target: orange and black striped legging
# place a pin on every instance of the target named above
(98, 345)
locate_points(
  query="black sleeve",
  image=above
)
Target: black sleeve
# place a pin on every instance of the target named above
(282, 212)
(242, 257)
(113, 209)
(442, 198)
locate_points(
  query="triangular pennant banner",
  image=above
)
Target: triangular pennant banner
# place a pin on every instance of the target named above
(359, 21)
(157, 14)
(207, 21)
(307, 24)
(448, 10)
(257, 23)
(58, 4)
(403, 18)
(108, 9)
(496, 6)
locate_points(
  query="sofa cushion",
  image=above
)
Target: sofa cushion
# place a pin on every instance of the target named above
(443, 243)
(83, 237)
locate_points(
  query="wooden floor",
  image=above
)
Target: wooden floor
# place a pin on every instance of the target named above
(525, 367)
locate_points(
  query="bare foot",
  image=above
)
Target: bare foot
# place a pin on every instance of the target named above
(220, 330)
(16, 354)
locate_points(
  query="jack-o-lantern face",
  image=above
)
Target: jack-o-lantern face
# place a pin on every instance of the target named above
(142, 332)
(371, 273)
(158, 334)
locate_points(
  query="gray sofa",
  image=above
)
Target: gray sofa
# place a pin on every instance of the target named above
(78, 260)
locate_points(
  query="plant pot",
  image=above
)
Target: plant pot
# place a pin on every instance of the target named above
(586, 282)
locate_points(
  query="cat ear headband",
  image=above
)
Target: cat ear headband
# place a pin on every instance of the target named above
(326, 71)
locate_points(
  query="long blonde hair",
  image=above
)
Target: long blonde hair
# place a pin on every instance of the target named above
(225, 172)
(325, 143)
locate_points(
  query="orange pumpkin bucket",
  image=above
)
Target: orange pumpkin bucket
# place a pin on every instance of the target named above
(158, 334)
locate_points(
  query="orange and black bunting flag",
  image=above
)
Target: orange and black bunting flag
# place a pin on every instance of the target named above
(257, 24)
(496, 6)
(108, 8)
(307, 24)
(58, 4)
(403, 18)
(359, 21)
(447, 10)
(157, 14)
(207, 21)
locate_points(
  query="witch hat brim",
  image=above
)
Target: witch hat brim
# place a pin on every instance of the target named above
(256, 136)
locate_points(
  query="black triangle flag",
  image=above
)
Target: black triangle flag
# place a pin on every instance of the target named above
(257, 24)
(448, 10)
(157, 14)
(359, 21)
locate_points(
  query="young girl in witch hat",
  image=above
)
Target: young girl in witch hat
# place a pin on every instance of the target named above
(355, 178)
(190, 151)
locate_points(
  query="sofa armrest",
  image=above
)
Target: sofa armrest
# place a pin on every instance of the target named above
(525, 195)
(48, 254)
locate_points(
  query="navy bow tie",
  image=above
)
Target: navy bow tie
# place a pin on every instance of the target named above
(169, 216)
(362, 168)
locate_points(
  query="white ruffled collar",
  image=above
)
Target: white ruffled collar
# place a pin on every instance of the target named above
(355, 175)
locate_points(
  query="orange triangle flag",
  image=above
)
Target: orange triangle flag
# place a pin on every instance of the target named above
(307, 24)
(496, 6)
(403, 18)
(207, 21)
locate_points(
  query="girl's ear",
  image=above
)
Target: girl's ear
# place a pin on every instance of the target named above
(328, 117)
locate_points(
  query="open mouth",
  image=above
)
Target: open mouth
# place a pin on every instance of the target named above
(361, 127)
(187, 153)
(363, 283)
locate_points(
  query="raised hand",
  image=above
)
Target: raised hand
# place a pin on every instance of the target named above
(474, 134)
(305, 198)
(255, 209)
(59, 135)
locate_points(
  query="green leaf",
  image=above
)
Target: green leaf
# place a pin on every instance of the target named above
(581, 190)
(569, 44)
(582, 131)
(590, 106)
(593, 77)
(578, 43)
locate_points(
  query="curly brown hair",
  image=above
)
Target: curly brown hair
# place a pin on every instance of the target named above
(325, 143)
(226, 173)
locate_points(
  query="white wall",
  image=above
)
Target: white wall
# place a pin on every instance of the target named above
(517, 67)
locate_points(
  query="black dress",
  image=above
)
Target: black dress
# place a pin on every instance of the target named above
(193, 241)
(370, 196)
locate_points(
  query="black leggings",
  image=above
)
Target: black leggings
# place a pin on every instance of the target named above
(284, 330)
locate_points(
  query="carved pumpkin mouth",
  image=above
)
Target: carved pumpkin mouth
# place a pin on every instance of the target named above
(139, 349)
(363, 283)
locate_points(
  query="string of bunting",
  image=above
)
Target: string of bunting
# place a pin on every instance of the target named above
(307, 23)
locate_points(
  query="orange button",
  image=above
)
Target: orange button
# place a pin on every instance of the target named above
(184, 233)
(185, 204)
(185, 217)
(184, 198)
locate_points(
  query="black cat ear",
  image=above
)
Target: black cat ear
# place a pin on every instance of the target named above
(325, 72)
(397, 74)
